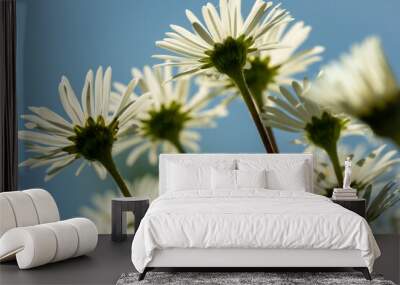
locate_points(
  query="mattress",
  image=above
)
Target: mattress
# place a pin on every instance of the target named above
(250, 219)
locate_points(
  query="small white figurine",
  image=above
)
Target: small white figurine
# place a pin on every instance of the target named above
(347, 174)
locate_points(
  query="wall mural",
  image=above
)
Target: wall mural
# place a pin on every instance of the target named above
(221, 65)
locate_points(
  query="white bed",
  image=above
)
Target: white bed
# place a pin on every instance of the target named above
(194, 224)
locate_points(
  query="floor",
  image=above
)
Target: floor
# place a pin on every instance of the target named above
(103, 266)
(110, 260)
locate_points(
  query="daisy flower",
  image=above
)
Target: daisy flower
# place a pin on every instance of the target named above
(223, 45)
(89, 133)
(100, 209)
(281, 64)
(267, 70)
(295, 113)
(362, 85)
(169, 122)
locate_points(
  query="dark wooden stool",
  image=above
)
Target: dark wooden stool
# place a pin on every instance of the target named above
(138, 206)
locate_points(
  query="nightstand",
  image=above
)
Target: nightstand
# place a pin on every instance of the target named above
(358, 206)
(138, 206)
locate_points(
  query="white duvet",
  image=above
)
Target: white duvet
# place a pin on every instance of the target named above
(250, 219)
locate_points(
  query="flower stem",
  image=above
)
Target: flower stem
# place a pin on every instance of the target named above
(238, 78)
(178, 146)
(259, 104)
(333, 156)
(108, 162)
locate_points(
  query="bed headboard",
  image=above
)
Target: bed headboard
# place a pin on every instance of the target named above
(208, 158)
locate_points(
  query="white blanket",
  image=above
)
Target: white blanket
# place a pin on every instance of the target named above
(250, 219)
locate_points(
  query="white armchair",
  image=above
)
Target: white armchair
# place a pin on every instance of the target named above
(31, 230)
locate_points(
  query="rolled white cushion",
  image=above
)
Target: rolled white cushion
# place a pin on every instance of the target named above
(87, 235)
(46, 207)
(33, 246)
(41, 244)
(26, 208)
(7, 219)
(23, 208)
(67, 240)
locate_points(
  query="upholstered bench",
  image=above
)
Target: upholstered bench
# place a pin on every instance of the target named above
(31, 230)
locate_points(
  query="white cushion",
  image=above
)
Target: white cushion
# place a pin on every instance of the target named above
(227, 179)
(281, 175)
(223, 179)
(188, 177)
(251, 178)
(193, 175)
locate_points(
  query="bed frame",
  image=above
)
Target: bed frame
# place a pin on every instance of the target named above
(250, 259)
(246, 259)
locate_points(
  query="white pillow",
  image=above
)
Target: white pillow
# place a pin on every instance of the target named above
(223, 179)
(188, 177)
(293, 179)
(251, 178)
(227, 179)
(281, 175)
(193, 173)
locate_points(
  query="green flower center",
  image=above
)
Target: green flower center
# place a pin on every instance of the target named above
(259, 76)
(94, 139)
(325, 131)
(230, 56)
(166, 123)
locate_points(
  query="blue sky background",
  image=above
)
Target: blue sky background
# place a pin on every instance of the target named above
(67, 37)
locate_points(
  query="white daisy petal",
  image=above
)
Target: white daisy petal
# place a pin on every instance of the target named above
(100, 170)
(41, 138)
(137, 151)
(50, 116)
(98, 85)
(47, 126)
(190, 37)
(66, 96)
(87, 95)
(255, 15)
(106, 92)
(212, 21)
(199, 28)
(80, 168)
(58, 166)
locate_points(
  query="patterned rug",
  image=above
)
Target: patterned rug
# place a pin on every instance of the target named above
(244, 278)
